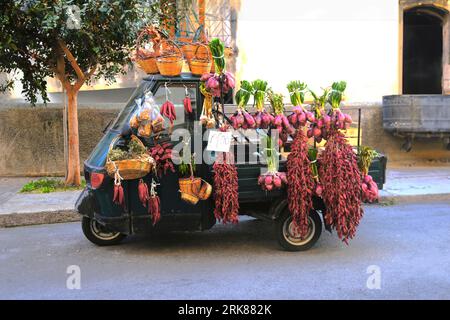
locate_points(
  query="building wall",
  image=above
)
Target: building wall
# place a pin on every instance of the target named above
(319, 42)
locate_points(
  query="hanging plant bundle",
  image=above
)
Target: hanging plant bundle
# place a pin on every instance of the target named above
(218, 53)
(212, 83)
(280, 121)
(225, 188)
(369, 187)
(162, 153)
(300, 183)
(272, 179)
(187, 104)
(297, 95)
(263, 119)
(241, 118)
(154, 203)
(168, 110)
(341, 181)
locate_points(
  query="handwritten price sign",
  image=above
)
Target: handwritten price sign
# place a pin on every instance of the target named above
(219, 141)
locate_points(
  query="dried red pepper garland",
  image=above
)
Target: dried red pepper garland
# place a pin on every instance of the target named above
(300, 182)
(341, 179)
(225, 189)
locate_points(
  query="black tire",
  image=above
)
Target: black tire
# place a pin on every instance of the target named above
(291, 243)
(98, 234)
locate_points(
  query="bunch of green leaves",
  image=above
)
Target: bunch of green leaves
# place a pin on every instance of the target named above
(276, 101)
(185, 168)
(297, 92)
(218, 53)
(319, 102)
(118, 154)
(244, 93)
(365, 157)
(136, 149)
(312, 156)
(99, 34)
(336, 93)
(259, 93)
(269, 153)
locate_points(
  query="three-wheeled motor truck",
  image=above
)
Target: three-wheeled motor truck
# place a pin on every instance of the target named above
(105, 223)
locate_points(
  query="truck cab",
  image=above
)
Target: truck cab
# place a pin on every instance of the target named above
(106, 223)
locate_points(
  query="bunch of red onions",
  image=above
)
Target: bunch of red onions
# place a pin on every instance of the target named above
(212, 82)
(369, 189)
(272, 180)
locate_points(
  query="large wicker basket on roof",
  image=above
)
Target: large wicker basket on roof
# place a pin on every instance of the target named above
(144, 58)
(170, 62)
(201, 61)
(129, 169)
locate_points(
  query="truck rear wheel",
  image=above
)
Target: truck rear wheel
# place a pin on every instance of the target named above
(289, 239)
(98, 234)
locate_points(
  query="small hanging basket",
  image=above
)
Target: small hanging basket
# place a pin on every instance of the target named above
(147, 61)
(129, 169)
(200, 64)
(170, 63)
(189, 188)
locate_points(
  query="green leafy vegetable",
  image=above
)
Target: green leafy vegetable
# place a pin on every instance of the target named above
(218, 53)
(297, 92)
(244, 93)
(259, 93)
(276, 101)
(336, 93)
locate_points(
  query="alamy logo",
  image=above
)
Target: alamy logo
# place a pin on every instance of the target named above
(374, 280)
(73, 281)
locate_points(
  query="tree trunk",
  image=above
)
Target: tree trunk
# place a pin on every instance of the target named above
(73, 164)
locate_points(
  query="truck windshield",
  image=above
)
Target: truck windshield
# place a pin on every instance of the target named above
(126, 113)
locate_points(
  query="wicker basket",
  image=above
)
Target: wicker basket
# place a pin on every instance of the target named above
(205, 191)
(171, 63)
(148, 65)
(189, 51)
(131, 168)
(148, 62)
(189, 188)
(200, 64)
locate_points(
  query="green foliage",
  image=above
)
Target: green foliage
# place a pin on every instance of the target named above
(218, 53)
(102, 37)
(47, 185)
(297, 92)
(270, 153)
(276, 101)
(336, 93)
(259, 93)
(244, 93)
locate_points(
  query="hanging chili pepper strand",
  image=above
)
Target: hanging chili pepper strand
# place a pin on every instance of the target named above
(187, 101)
(225, 188)
(154, 203)
(168, 109)
(143, 192)
(300, 182)
(341, 181)
(118, 197)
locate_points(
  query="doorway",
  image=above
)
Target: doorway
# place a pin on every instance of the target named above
(422, 50)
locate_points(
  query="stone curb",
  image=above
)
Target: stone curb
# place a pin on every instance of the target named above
(393, 199)
(34, 218)
(61, 216)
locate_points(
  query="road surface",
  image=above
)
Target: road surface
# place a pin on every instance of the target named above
(400, 252)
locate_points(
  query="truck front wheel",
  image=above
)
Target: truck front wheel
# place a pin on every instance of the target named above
(98, 234)
(289, 238)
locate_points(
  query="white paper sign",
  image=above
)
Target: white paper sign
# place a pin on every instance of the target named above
(219, 141)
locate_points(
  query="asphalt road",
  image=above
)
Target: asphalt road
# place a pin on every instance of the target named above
(407, 246)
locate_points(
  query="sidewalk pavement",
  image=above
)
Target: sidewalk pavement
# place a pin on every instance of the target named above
(415, 184)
